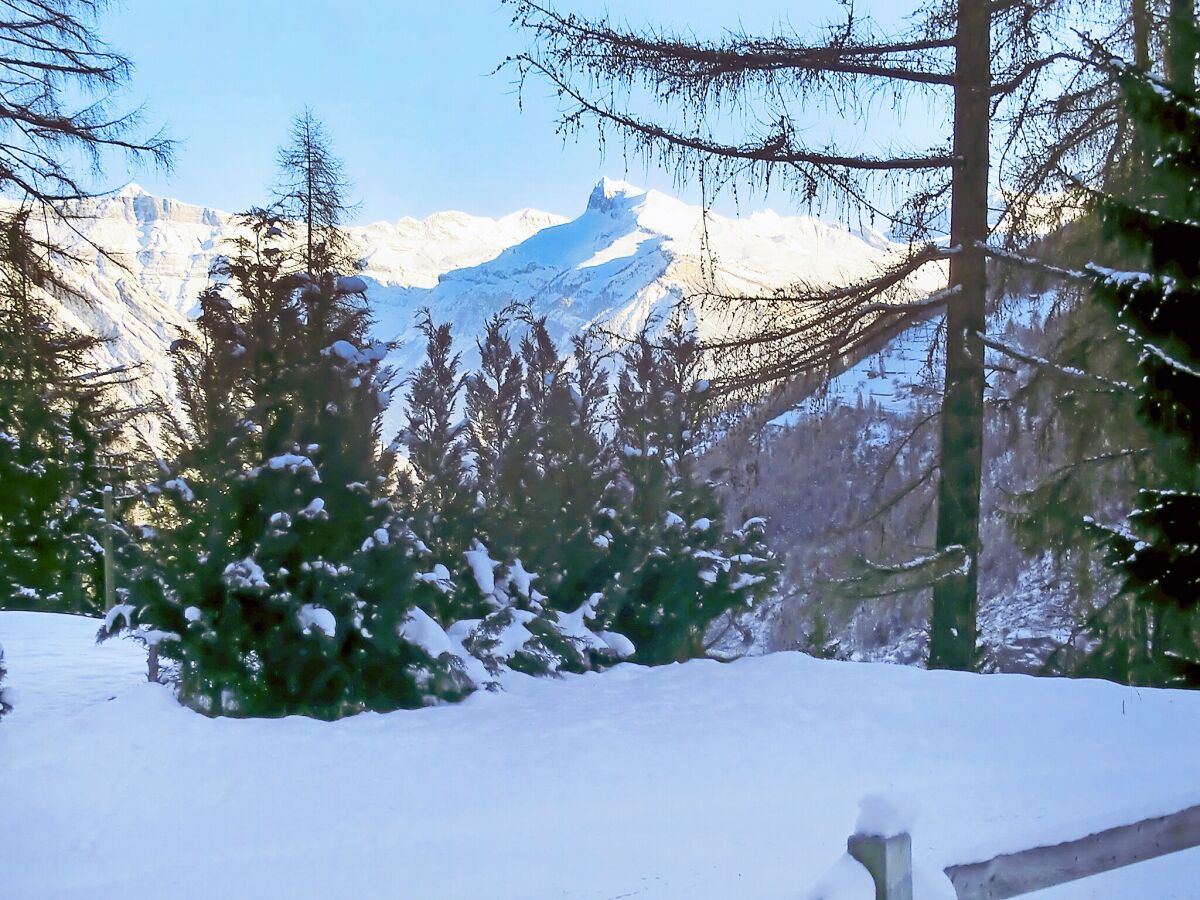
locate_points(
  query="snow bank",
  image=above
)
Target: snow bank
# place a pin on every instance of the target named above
(702, 780)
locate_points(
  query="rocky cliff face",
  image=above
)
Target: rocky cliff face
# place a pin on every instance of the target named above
(630, 256)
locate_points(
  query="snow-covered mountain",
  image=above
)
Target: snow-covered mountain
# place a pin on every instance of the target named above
(629, 256)
(633, 255)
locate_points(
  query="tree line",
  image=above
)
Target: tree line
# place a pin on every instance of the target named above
(283, 560)
(1046, 118)
(289, 560)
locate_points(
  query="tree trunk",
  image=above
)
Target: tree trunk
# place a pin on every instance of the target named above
(1182, 40)
(953, 629)
(1139, 14)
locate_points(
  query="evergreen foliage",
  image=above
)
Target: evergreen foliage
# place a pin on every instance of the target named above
(543, 470)
(1151, 630)
(281, 578)
(279, 574)
(477, 493)
(565, 541)
(61, 438)
(437, 496)
(679, 570)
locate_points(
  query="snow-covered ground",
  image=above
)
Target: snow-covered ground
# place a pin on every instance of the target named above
(691, 781)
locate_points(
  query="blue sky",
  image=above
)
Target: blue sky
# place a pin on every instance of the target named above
(404, 87)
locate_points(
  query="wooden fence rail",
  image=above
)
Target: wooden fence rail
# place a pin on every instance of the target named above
(889, 859)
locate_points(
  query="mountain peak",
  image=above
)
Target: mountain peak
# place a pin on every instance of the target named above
(608, 190)
(132, 189)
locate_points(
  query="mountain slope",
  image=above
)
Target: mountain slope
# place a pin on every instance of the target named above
(631, 255)
(143, 261)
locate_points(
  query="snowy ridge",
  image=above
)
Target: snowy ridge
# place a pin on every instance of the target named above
(630, 256)
(157, 252)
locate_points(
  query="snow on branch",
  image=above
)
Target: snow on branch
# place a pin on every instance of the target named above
(923, 572)
(1146, 346)
(1070, 371)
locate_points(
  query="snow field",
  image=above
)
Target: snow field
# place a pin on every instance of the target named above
(700, 780)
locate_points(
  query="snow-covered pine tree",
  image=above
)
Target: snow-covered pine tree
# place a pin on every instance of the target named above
(199, 507)
(1151, 632)
(569, 491)
(434, 492)
(489, 598)
(495, 407)
(63, 437)
(679, 569)
(282, 579)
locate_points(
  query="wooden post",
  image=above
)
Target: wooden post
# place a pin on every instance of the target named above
(110, 590)
(889, 860)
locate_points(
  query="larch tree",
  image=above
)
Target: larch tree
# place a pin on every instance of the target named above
(312, 189)
(986, 57)
(60, 81)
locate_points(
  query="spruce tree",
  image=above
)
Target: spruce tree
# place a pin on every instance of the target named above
(62, 437)
(282, 577)
(435, 492)
(679, 570)
(1151, 631)
(570, 493)
(495, 411)
(484, 497)
(542, 470)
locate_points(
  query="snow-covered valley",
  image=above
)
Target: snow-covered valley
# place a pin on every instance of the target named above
(701, 780)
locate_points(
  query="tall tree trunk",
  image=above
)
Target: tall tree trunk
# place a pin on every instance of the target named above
(1139, 14)
(953, 629)
(1183, 41)
(308, 201)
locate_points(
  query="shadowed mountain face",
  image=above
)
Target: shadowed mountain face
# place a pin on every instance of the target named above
(630, 256)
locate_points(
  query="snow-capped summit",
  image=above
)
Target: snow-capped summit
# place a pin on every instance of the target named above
(628, 257)
(608, 190)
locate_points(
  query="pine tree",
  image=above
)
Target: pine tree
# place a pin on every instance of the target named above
(436, 494)
(541, 468)
(282, 578)
(495, 411)
(1151, 631)
(578, 492)
(679, 570)
(532, 431)
(62, 440)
